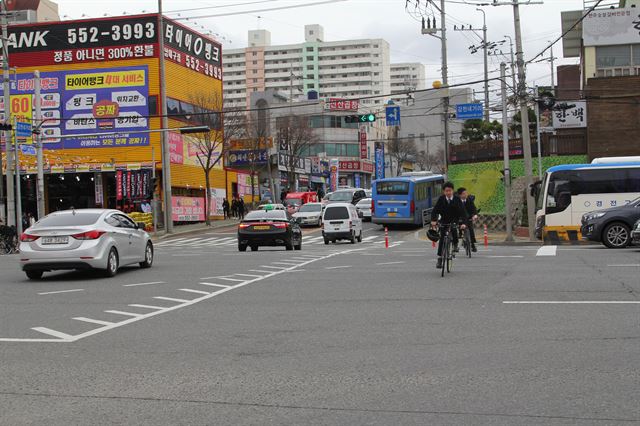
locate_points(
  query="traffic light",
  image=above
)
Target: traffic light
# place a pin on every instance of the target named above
(364, 118)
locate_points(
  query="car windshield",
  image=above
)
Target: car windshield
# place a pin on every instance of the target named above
(333, 213)
(307, 208)
(341, 196)
(69, 219)
(266, 216)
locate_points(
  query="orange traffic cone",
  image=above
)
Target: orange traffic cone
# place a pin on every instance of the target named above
(486, 237)
(386, 237)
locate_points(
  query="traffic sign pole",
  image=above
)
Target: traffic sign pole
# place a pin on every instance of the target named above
(18, 184)
(38, 141)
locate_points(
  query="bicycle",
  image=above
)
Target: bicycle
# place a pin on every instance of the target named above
(8, 240)
(447, 248)
(466, 241)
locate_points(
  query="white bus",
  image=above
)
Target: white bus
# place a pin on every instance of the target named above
(567, 192)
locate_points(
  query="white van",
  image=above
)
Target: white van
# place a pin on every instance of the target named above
(341, 221)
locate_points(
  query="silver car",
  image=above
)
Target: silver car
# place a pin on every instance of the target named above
(84, 239)
(364, 206)
(309, 214)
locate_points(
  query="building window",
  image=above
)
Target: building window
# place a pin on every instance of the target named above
(255, 62)
(310, 49)
(255, 80)
(254, 53)
(255, 71)
(309, 58)
(310, 67)
(613, 56)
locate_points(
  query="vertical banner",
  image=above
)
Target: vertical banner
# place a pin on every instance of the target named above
(119, 185)
(356, 179)
(98, 189)
(129, 194)
(379, 160)
(216, 198)
(334, 170)
(362, 137)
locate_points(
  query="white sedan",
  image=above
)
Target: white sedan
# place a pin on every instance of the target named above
(364, 206)
(84, 239)
(309, 214)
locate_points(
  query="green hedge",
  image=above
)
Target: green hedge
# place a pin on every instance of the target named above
(484, 180)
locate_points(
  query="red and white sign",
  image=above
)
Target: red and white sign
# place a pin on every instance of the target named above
(338, 104)
(176, 148)
(187, 209)
(349, 165)
(357, 166)
(119, 185)
(367, 166)
(362, 137)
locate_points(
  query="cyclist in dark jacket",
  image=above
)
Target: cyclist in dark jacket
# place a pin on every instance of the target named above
(472, 214)
(449, 210)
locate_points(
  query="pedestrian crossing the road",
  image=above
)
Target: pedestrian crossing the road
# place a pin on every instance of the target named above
(205, 242)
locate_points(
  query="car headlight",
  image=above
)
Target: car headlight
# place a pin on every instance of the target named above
(592, 216)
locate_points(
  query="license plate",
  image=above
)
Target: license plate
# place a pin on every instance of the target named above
(392, 214)
(262, 228)
(55, 240)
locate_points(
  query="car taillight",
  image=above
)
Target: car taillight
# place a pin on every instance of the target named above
(413, 207)
(244, 225)
(89, 235)
(373, 207)
(26, 238)
(281, 225)
(350, 224)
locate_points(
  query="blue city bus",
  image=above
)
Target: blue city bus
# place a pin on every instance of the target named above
(405, 199)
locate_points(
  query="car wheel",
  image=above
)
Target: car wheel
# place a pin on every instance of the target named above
(326, 241)
(353, 237)
(254, 248)
(112, 263)
(242, 247)
(298, 246)
(360, 237)
(148, 256)
(34, 275)
(616, 235)
(289, 246)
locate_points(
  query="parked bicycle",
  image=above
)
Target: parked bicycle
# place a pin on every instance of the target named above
(8, 240)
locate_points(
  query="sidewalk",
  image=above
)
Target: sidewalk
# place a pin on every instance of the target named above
(195, 228)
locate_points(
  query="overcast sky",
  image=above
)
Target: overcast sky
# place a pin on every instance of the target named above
(352, 19)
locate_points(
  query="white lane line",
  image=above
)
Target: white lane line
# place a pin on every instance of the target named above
(189, 290)
(140, 284)
(571, 302)
(547, 251)
(297, 270)
(61, 291)
(286, 263)
(632, 265)
(135, 305)
(260, 270)
(93, 321)
(249, 275)
(338, 267)
(128, 314)
(216, 285)
(54, 333)
(172, 299)
(224, 278)
(367, 239)
(66, 338)
(390, 263)
(272, 267)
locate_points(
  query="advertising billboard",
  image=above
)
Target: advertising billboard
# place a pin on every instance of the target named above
(573, 116)
(611, 27)
(78, 103)
(334, 170)
(188, 209)
(192, 50)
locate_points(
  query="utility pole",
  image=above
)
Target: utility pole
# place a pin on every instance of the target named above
(11, 208)
(486, 65)
(513, 65)
(38, 141)
(524, 117)
(538, 135)
(433, 31)
(505, 150)
(18, 180)
(553, 74)
(166, 154)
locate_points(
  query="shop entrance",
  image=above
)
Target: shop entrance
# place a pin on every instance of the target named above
(69, 190)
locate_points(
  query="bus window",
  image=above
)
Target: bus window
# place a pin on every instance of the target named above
(559, 194)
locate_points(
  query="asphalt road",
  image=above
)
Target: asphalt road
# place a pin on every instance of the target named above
(332, 335)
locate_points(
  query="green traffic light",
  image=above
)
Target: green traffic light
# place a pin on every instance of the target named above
(367, 118)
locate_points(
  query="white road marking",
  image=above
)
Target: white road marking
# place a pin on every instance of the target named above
(285, 263)
(66, 338)
(139, 284)
(128, 314)
(215, 285)
(171, 299)
(223, 278)
(547, 251)
(571, 302)
(248, 275)
(636, 265)
(271, 267)
(338, 267)
(53, 333)
(390, 263)
(93, 321)
(61, 291)
(135, 305)
(189, 290)
(259, 270)
(367, 239)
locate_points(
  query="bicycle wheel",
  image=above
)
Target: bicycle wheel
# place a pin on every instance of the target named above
(450, 256)
(445, 252)
(467, 242)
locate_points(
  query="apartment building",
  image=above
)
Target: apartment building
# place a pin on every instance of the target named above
(341, 69)
(406, 77)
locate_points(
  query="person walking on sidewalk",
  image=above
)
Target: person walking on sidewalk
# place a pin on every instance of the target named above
(241, 208)
(225, 209)
(234, 207)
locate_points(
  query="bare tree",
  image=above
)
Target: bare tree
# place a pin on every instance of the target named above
(401, 150)
(295, 137)
(255, 144)
(225, 125)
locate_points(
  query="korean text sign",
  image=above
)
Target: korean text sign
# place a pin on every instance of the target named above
(188, 209)
(69, 98)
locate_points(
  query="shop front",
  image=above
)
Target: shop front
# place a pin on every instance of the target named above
(355, 173)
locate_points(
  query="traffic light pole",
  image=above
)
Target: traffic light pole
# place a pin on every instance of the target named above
(11, 208)
(166, 154)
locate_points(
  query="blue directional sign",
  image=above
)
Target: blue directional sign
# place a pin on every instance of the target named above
(393, 115)
(23, 130)
(28, 149)
(469, 111)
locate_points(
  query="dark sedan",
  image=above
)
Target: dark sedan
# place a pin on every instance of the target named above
(269, 228)
(612, 227)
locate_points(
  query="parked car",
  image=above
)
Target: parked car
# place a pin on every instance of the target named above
(368, 193)
(271, 206)
(84, 239)
(309, 214)
(612, 227)
(351, 195)
(635, 233)
(364, 207)
(269, 228)
(341, 221)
